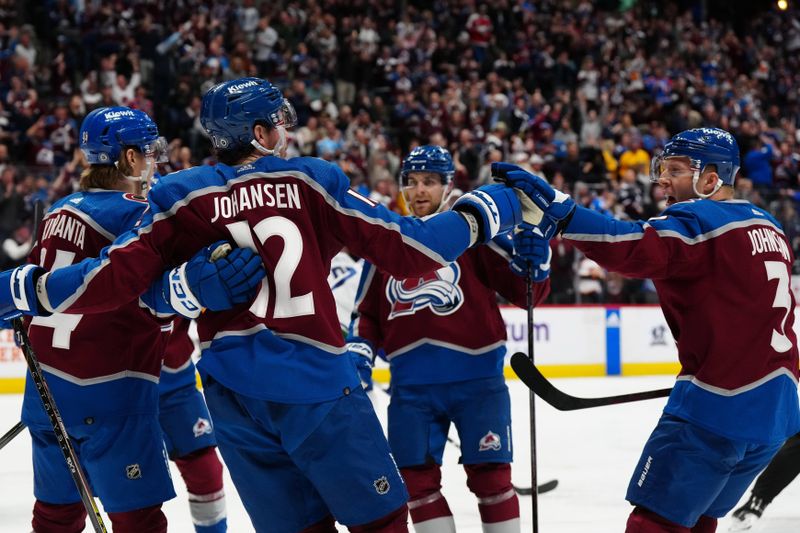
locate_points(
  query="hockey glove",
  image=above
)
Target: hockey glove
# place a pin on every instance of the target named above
(215, 278)
(542, 205)
(18, 292)
(362, 356)
(532, 253)
(489, 210)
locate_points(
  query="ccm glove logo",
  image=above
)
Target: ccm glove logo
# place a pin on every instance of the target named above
(180, 297)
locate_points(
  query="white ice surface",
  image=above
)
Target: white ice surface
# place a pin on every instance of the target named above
(591, 453)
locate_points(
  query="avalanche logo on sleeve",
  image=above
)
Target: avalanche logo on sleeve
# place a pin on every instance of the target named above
(437, 290)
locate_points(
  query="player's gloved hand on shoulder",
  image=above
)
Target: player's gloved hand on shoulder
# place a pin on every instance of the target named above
(542, 205)
(532, 253)
(361, 354)
(489, 210)
(216, 278)
(18, 292)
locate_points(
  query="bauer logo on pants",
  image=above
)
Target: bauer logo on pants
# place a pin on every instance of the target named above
(133, 471)
(490, 441)
(381, 485)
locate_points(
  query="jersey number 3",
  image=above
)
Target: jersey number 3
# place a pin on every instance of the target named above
(777, 270)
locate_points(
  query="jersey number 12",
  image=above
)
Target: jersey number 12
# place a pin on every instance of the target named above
(286, 305)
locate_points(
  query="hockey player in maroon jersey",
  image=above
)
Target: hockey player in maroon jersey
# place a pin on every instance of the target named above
(444, 338)
(102, 369)
(286, 400)
(721, 268)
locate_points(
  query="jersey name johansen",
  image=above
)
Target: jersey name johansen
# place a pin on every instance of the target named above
(279, 195)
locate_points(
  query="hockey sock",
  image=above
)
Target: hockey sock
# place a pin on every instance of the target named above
(497, 501)
(326, 525)
(642, 520)
(55, 518)
(394, 522)
(202, 472)
(429, 509)
(147, 520)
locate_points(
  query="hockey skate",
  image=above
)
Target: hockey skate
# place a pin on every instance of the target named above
(746, 517)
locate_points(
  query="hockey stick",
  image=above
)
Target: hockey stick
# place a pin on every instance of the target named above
(534, 380)
(547, 486)
(58, 428)
(53, 413)
(38, 213)
(532, 404)
(11, 433)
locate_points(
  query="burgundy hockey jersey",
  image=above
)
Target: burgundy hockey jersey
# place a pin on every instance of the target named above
(444, 326)
(97, 364)
(722, 271)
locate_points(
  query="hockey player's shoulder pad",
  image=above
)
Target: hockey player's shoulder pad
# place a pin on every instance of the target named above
(701, 217)
(325, 177)
(173, 190)
(114, 211)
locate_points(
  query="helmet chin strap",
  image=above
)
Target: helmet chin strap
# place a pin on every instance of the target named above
(696, 178)
(279, 147)
(446, 197)
(142, 179)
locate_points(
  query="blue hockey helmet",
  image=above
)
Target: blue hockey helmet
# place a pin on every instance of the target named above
(231, 109)
(107, 130)
(428, 158)
(703, 147)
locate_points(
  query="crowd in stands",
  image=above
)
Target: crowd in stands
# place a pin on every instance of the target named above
(582, 95)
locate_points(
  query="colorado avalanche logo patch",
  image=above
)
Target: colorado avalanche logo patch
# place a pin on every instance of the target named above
(438, 291)
(490, 441)
(202, 427)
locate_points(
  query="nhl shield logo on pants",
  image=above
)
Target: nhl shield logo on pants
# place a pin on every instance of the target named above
(381, 485)
(133, 471)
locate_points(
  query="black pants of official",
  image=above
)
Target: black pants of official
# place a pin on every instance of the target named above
(783, 468)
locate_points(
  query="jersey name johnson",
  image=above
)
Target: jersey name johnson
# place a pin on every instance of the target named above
(765, 240)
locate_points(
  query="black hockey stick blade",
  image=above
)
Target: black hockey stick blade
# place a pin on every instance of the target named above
(541, 489)
(534, 380)
(11, 433)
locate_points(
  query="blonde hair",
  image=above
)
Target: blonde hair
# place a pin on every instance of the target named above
(105, 177)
